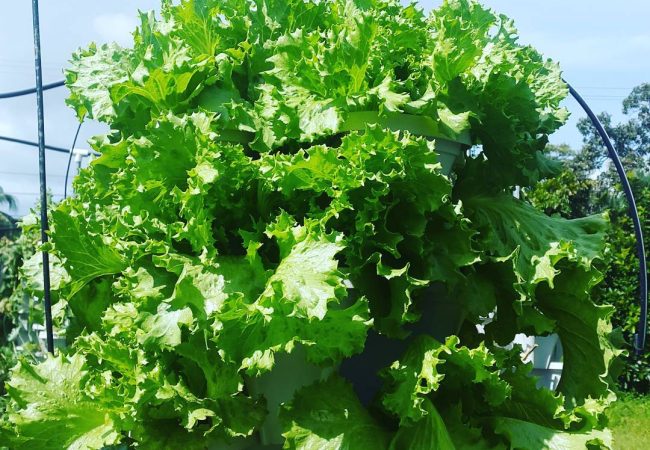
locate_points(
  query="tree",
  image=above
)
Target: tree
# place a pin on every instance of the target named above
(631, 138)
(638, 102)
(8, 199)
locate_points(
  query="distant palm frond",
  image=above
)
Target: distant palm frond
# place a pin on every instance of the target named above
(7, 199)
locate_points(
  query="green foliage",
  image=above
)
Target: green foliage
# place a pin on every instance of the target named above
(9, 262)
(631, 138)
(577, 191)
(233, 217)
(7, 361)
(638, 103)
(621, 284)
(18, 311)
(567, 195)
(629, 418)
(16, 291)
(59, 414)
(342, 421)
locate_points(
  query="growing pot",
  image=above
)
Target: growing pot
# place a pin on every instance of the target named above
(291, 371)
(442, 316)
(450, 150)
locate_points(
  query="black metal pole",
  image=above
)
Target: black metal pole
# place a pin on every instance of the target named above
(28, 91)
(42, 175)
(33, 144)
(641, 329)
(67, 169)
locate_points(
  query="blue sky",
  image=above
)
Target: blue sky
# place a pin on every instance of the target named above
(602, 46)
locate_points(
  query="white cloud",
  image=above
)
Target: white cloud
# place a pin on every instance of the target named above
(115, 27)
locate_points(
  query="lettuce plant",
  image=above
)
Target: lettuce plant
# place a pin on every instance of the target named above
(234, 215)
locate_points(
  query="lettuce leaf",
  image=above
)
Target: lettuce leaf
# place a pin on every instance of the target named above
(52, 409)
(328, 415)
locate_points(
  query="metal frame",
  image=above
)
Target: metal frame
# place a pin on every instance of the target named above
(42, 175)
(642, 325)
